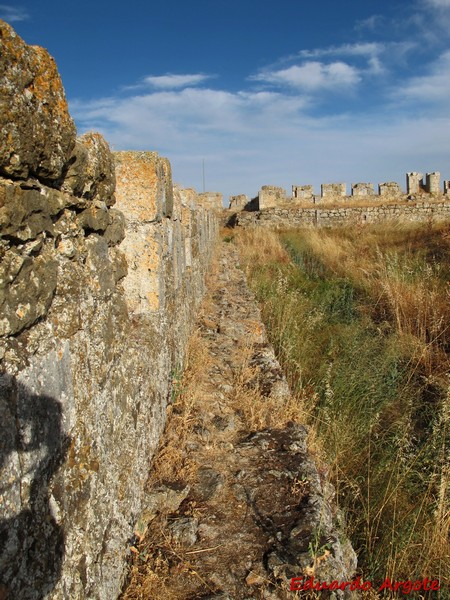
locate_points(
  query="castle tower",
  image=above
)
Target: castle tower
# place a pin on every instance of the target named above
(333, 191)
(432, 185)
(362, 189)
(303, 192)
(414, 182)
(271, 196)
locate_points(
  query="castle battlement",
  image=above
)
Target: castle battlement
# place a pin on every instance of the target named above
(271, 196)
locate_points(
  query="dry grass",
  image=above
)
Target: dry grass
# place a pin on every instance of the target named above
(362, 330)
(157, 557)
(161, 568)
(256, 409)
(157, 563)
(183, 414)
(258, 247)
(405, 290)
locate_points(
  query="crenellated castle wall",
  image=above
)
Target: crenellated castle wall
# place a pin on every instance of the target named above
(417, 188)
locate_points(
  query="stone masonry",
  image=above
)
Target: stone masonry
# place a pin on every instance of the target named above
(30, 83)
(93, 328)
(291, 217)
(335, 191)
(390, 189)
(213, 200)
(414, 183)
(270, 196)
(432, 183)
(303, 192)
(362, 189)
(238, 202)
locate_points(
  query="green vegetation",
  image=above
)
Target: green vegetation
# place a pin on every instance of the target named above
(359, 318)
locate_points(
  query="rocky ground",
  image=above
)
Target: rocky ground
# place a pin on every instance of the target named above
(236, 505)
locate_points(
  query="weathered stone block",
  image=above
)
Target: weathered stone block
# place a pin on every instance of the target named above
(212, 200)
(91, 174)
(303, 192)
(362, 189)
(446, 187)
(144, 185)
(177, 204)
(26, 209)
(432, 183)
(144, 284)
(390, 188)
(27, 285)
(238, 202)
(333, 190)
(115, 231)
(38, 133)
(414, 182)
(94, 218)
(271, 196)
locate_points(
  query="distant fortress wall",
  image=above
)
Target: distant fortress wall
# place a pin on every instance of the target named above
(294, 216)
(418, 187)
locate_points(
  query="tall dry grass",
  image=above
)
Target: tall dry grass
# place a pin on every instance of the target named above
(360, 320)
(408, 286)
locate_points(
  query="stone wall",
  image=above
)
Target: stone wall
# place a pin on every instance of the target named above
(212, 200)
(414, 182)
(270, 195)
(238, 202)
(446, 187)
(96, 307)
(362, 189)
(329, 217)
(432, 183)
(333, 191)
(303, 192)
(390, 189)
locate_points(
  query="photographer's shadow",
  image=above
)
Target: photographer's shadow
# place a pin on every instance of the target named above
(32, 448)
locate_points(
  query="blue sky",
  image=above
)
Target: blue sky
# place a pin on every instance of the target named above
(278, 93)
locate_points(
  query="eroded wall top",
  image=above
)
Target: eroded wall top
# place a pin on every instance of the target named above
(38, 134)
(144, 185)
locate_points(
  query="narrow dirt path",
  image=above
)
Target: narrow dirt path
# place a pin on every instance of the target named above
(235, 505)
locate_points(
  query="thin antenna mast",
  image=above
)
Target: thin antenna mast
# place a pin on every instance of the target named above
(203, 165)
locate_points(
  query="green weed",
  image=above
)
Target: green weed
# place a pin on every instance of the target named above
(360, 323)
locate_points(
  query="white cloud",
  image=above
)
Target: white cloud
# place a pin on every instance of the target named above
(375, 53)
(433, 87)
(312, 76)
(172, 81)
(13, 14)
(250, 138)
(344, 66)
(172, 117)
(432, 20)
(275, 131)
(357, 49)
(371, 23)
(438, 3)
